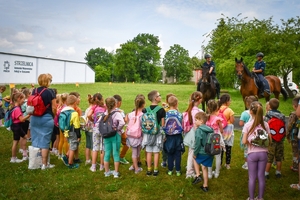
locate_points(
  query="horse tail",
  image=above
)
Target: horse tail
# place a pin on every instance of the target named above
(284, 93)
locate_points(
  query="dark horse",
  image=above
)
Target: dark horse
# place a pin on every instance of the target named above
(207, 87)
(248, 86)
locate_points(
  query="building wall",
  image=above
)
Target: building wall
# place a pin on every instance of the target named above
(16, 68)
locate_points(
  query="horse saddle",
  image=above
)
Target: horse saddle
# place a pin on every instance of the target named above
(259, 84)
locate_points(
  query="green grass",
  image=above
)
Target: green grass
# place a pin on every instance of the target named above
(61, 183)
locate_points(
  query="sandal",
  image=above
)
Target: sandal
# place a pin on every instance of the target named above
(295, 186)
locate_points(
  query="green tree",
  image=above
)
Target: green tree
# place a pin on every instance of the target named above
(177, 64)
(102, 74)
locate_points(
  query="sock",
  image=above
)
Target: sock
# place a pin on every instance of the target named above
(149, 169)
(246, 163)
(94, 165)
(25, 153)
(155, 169)
(266, 173)
(278, 172)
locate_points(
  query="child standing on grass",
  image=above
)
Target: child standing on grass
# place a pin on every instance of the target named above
(189, 131)
(112, 144)
(134, 133)
(245, 117)
(123, 136)
(228, 131)
(2, 89)
(276, 149)
(173, 145)
(153, 143)
(200, 157)
(215, 122)
(63, 142)
(257, 156)
(74, 132)
(94, 115)
(88, 129)
(166, 106)
(17, 119)
(292, 134)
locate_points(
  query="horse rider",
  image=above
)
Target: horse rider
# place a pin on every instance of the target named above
(212, 71)
(259, 69)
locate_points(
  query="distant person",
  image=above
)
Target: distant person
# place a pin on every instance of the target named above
(88, 129)
(2, 89)
(63, 145)
(259, 70)
(41, 127)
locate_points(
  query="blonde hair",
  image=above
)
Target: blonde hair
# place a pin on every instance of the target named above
(258, 112)
(195, 97)
(172, 101)
(16, 96)
(71, 100)
(110, 104)
(201, 116)
(152, 95)
(44, 80)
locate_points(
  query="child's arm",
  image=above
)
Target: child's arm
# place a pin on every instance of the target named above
(220, 125)
(245, 137)
(23, 119)
(126, 119)
(89, 115)
(231, 119)
(241, 123)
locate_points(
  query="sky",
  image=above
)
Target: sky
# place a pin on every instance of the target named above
(68, 29)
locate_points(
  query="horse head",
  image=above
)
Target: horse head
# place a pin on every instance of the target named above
(205, 76)
(239, 67)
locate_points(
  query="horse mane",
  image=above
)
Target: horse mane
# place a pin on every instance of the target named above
(245, 67)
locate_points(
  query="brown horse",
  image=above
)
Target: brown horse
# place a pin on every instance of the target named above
(248, 86)
(207, 87)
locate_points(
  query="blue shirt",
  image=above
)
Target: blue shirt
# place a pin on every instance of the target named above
(260, 65)
(211, 64)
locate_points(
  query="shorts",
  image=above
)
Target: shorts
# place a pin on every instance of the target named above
(73, 141)
(17, 131)
(205, 160)
(152, 149)
(276, 150)
(25, 126)
(97, 142)
(88, 140)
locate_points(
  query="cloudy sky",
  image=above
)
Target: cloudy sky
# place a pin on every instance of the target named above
(67, 29)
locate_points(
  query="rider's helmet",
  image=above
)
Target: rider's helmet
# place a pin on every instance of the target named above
(207, 56)
(260, 54)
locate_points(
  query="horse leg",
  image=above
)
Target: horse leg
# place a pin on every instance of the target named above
(203, 106)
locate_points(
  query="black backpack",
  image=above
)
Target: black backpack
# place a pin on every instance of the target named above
(105, 127)
(212, 144)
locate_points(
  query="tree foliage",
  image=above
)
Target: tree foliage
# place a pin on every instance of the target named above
(177, 64)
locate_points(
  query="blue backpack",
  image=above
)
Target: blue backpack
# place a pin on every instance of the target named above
(173, 124)
(149, 121)
(64, 120)
(8, 118)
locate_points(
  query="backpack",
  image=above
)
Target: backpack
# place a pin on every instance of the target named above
(173, 124)
(260, 138)
(8, 118)
(277, 129)
(134, 129)
(105, 127)
(2, 113)
(186, 123)
(149, 121)
(98, 112)
(64, 120)
(212, 144)
(221, 114)
(36, 104)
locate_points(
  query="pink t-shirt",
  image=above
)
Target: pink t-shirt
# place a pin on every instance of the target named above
(16, 113)
(252, 148)
(212, 122)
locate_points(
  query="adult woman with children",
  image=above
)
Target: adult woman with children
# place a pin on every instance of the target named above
(42, 126)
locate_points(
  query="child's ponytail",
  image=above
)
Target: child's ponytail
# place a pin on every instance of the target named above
(257, 110)
(139, 102)
(195, 97)
(98, 99)
(224, 99)
(16, 96)
(110, 104)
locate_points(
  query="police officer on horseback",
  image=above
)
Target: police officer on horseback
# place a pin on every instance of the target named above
(259, 69)
(212, 71)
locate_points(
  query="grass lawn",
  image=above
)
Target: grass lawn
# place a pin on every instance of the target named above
(61, 183)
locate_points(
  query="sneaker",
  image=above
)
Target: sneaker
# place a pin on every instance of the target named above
(20, 150)
(101, 167)
(155, 173)
(73, 166)
(28, 139)
(49, 166)
(25, 158)
(178, 173)
(131, 168)
(88, 162)
(124, 161)
(245, 166)
(294, 169)
(59, 157)
(278, 175)
(77, 160)
(107, 174)
(148, 173)
(267, 176)
(227, 166)
(188, 176)
(92, 169)
(8, 129)
(43, 167)
(65, 160)
(116, 174)
(197, 180)
(209, 175)
(15, 160)
(170, 173)
(216, 175)
(204, 189)
(138, 170)
(163, 164)
(274, 165)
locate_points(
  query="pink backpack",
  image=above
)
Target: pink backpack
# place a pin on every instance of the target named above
(134, 128)
(98, 112)
(221, 114)
(186, 123)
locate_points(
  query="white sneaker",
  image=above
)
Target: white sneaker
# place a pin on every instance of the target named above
(20, 150)
(93, 169)
(209, 175)
(88, 162)
(245, 166)
(25, 158)
(131, 168)
(15, 160)
(107, 174)
(216, 175)
(212, 174)
(49, 166)
(116, 174)
(101, 167)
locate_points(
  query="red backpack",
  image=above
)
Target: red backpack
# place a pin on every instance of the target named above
(36, 103)
(221, 114)
(277, 129)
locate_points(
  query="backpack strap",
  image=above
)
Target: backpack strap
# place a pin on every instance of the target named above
(39, 94)
(222, 111)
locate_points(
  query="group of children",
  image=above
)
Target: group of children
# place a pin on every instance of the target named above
(155, 128)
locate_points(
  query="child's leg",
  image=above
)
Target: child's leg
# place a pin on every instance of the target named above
(88, 145)
(196, 167)
(156, 160)
(61, 143)
(171, 158)
(164, 156)
(218, 165)
(116, 142)
(23, 142)
(228, 154)
(294, 144)
(124, 146)
(271, 155)
(134, 157)
(190, 163)
(149, 160)
(66, 145)
(108, 149)
(14, 148)
(261, 165)
(279, 155)
(178, 161)
(205, 176)
(252, 161)
(71, 156)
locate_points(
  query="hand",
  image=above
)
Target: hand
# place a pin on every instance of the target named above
(194, 156)
(253, 69)
(78, 139)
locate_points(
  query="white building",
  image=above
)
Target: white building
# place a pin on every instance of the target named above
(15, 68)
